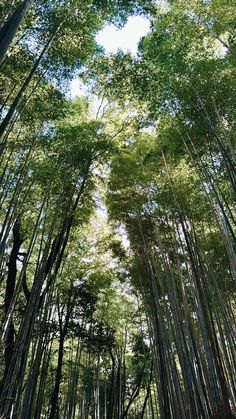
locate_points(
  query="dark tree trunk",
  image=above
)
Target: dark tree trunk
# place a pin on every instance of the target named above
(225, 408)
(147, 394)
(25, 85)
(10, 288)
(54, 399)
(111, 398)
(63, 333)
(11, 26)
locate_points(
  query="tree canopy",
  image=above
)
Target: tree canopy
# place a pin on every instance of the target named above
(117, 224)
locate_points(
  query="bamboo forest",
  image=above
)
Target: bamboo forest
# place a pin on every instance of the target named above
(117, 210)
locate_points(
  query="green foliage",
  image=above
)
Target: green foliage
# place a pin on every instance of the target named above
(117, 295)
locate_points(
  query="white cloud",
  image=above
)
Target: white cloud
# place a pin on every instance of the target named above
(127, 38)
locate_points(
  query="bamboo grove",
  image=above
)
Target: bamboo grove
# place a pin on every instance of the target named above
(117, 226)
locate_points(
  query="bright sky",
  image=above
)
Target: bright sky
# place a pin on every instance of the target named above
(127, 38)
(112, 39)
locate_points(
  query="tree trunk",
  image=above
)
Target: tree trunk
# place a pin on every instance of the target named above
(11, 26)
(54, 400)
(25, 85)
(10, 288)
